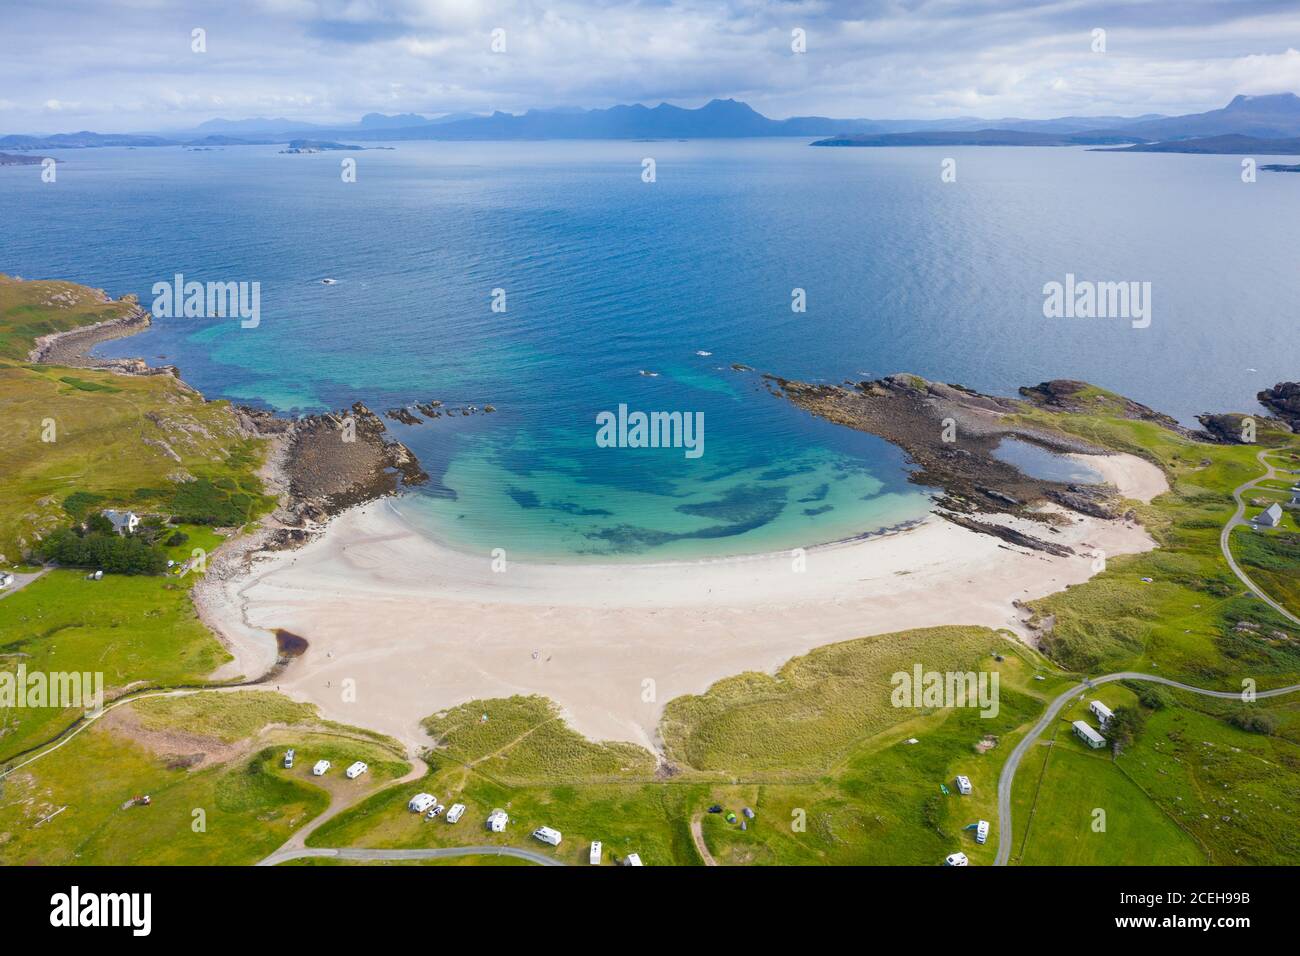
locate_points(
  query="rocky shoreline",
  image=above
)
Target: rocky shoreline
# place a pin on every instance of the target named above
(950, 432)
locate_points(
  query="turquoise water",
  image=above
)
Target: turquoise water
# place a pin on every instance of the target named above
(607, 277)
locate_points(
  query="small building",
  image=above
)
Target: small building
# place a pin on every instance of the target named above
(1101, 712)
(497, 820)
(420, 802)
(1270, 517)
(456, 812)
(633, 859)
(547, 835)
(123, 522)
(288, 759)
(321, 767)
(963, 786)
(594, 856)
(982, 832)
(1084, 732)
(356, 770)
(956, 859)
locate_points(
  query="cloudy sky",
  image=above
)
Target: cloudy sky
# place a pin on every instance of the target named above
(128, 65)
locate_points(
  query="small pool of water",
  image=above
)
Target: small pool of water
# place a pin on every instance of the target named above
(1037, 462)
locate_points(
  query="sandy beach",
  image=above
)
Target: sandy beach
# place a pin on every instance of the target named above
(401, 627)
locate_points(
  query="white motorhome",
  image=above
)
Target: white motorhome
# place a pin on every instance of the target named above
(497, 820)
(356, 770)
(594, 858)
(633, 859)
(963, 786)
(456, 812)
(547, 835)
(321, 767)
(420, 802)
(956, 859)
(982, 832)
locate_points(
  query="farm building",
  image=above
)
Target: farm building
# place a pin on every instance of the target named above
(547, 835)
(594, 857)
(420, 802)
(356, 770)
(456, 812)
(497, 820)
(1084, 732)
(1270, 517)
(1101, 712)
(321, 767)
(123, 522)
(963, 786)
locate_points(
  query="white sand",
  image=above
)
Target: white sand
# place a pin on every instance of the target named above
(1134, 477)
(417, 627)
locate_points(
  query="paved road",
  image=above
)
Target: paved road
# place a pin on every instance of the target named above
(354, 853)
(1239, 518)
(21, 580)
(1013, 762)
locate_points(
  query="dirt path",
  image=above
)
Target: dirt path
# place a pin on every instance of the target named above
(697, 834)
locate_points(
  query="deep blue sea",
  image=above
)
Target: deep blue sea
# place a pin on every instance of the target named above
(607, 277)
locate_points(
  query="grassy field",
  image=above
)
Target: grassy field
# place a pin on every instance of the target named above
(70, 806)
(146, 442)
(1192, 789)
(861, 793)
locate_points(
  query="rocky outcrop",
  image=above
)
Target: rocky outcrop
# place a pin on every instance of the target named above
(1283, 400)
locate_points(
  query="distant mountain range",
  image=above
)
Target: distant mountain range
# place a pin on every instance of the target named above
(1247, 124)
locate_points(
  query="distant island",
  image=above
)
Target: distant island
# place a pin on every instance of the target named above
(12, 159)
(980, 137)
(316, 146)
(1280, 168)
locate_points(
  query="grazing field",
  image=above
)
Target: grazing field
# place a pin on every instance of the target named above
(72, 806)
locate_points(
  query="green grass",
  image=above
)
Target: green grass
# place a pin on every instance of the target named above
(250, 804)
(866, 798)
(1182, 622)
(113, 434)
(132, 629)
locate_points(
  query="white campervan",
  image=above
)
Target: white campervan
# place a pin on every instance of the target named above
(420, 802)
(547, 835)
(594, 859)
(320, 768)
(356, 770)
(456, 812)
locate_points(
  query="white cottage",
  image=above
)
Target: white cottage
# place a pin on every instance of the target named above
(1270, 517)
(124, 522)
